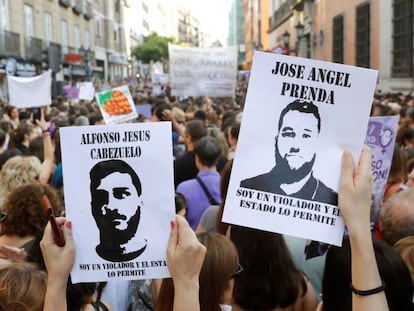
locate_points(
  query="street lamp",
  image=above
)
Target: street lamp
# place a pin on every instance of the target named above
(300, 30)
(286, 39)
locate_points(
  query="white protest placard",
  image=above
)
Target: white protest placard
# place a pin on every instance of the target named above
(202, 71)
(86, 91)
(116, 105)
(162, 78)
(380, 137)
(27, 92)
(299, 116)
(119, 195)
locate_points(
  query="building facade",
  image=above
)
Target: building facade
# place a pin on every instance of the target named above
(366, 33)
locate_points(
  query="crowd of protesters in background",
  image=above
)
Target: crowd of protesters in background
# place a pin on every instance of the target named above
(204, 134)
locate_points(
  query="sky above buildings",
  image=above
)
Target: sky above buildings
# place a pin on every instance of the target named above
(213, 16)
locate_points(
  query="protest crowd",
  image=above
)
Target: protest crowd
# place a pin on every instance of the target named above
(213, 265)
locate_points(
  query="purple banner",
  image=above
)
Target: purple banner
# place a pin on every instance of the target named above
(380, 137)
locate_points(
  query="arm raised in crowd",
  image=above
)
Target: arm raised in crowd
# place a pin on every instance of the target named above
(355, 202)
(185, 256)
(59, 262)
(48, 156)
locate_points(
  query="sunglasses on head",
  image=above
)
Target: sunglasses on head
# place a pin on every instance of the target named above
(3, 216)
(238, 271)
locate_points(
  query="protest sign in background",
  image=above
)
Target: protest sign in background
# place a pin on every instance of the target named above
(381, 135)
(27, 92)
(116, 105)
(86, 91)
(343, 96)
(203, 71)
(89, 200)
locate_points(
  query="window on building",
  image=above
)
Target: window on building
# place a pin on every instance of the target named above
(87, 39)
(64, 35)
(77, 37)
(48, 27)
(4, 14)
(338, 39)
(363, 35)
(98, 27)
(28, 17)
(402, 38)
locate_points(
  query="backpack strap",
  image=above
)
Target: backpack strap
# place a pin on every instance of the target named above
(208, 194)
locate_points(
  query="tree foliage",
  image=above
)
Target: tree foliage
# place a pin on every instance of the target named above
(154, 48)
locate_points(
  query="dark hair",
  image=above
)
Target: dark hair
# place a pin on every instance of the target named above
(17, 137)
(270, 279)
(79, 295)
(235, 130)
(301, 106)
(159, 110)
(36, 148)
(104, 168)
(196, 129)
(25, 214)
(336, 281)
(208, 150)
(180, 202)
(2, 137)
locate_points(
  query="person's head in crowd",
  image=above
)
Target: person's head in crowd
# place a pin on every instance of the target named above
(270, 279)
(159, 111)
(409, 116)
(397, 217)
(116, 207)
(178, 114)
(23, 287)
(336, 290)
(12, 113)
(194, 130)
(212, 119)
(405, 247)
(207, 151)
(221, 139)
(81, 121)
(60, 121)
(63, 109)
(17, 171)
(227, 119)
(410, 172)
(224, 185)
(25, 214)
(22, 136)
(407, 136)
(96, 119)
(3, 137)
(216, 279)
(378, 109)
(180, 204)
(79, 295)
(233, 137)
(200, 115)
(397, 174)
(36, 148)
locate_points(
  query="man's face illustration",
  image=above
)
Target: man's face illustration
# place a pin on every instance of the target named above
(119, 201)
(296, 144)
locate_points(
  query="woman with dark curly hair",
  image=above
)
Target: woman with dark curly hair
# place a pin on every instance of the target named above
(25, 215)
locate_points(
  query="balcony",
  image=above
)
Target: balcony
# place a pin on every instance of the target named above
(78, 7)
(33, 48)
(65, 3)
(9, 44)
(88, 14)
(284, 11)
